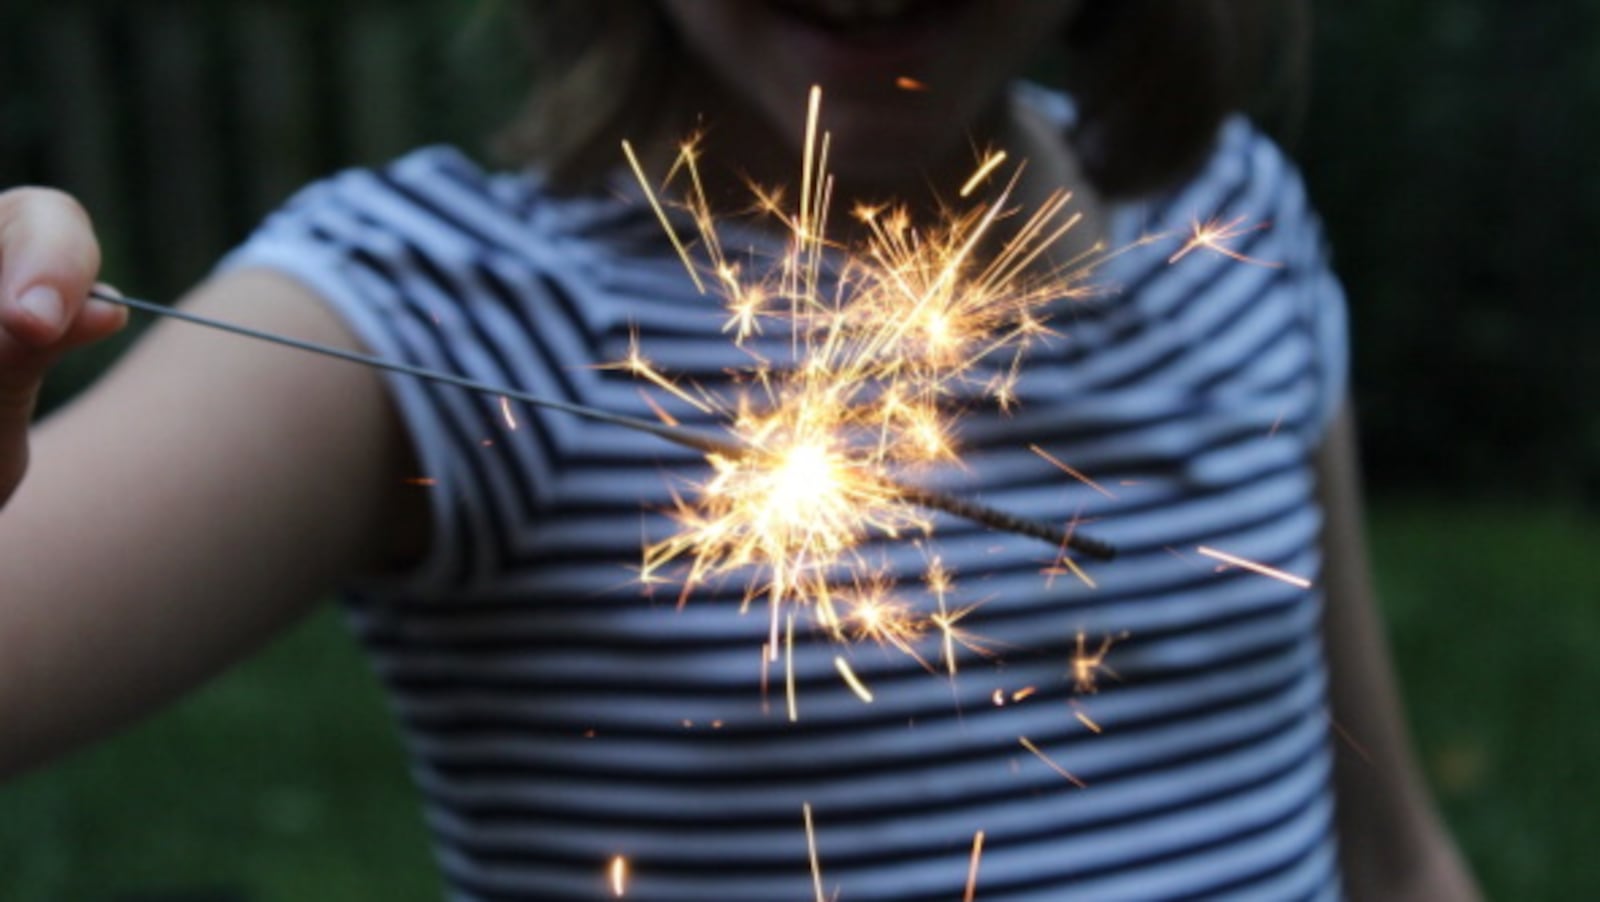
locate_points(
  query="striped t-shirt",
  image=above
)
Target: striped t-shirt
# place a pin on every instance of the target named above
(558, 715)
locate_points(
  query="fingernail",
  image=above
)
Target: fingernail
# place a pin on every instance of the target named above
(107, 308)
(44, 304)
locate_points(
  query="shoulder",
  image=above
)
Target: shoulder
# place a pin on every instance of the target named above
(1247, 185)
(435, 198)
(1246, 203)
(1247, 174)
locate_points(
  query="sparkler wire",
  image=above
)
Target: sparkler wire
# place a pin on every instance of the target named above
(922, 497)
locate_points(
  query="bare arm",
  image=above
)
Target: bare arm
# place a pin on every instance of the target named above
(201, 497)
(1392, 844)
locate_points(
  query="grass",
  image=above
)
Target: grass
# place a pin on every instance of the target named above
(1495, 622)
(283, 781)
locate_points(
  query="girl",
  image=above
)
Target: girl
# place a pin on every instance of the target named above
(558, 716)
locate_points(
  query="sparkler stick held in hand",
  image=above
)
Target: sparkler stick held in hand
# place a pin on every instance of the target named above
(1069, 540)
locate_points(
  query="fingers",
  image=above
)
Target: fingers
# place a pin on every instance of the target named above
(48, 261)
(96, 319)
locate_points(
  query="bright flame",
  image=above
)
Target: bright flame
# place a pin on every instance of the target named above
(893, 337)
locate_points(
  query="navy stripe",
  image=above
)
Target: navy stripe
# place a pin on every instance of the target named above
(558, 714)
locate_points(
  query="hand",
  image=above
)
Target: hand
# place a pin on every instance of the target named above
(48, 262)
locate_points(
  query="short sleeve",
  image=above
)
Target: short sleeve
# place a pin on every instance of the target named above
(365, 243)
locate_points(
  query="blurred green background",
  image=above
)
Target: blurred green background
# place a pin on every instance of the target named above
(1448, 145)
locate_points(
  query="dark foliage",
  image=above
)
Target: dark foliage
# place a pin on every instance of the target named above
(1446, 143)
(1449, 146)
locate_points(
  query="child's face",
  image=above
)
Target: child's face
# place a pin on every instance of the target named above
(957, 55)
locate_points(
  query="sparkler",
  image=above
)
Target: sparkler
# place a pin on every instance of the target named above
(892, 336)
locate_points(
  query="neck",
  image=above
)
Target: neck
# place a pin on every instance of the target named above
(739, 149)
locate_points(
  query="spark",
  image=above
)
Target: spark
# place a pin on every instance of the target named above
(972, 867)
(851, 680)
(990, 163)
(1236, 561)
(888, 622)
(894, 336)
(619, 876)
(907, 83)
(1070, 471)
(661, 215)
(505, 412)
(1085, 665)
(811, 848)
(952, 635)
(638, 365)
(1083, 717)
(1064, 563)
(788, 672)
(767, 657)
(1068, 775)
(1211, 234)
(420, 480)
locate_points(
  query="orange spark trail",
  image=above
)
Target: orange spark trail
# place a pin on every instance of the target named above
(811, 847)
(788, 669)
(1070, 471)
(851, 680)
(1028, 744)
(1297, 581)
(1083, 717)
(989, 164)
(972, 868)
(661, 215)
(1211, 234)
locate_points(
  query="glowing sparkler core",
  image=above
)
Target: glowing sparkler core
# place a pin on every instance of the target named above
(892, 337)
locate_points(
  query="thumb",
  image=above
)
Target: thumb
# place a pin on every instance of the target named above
(48, 261)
